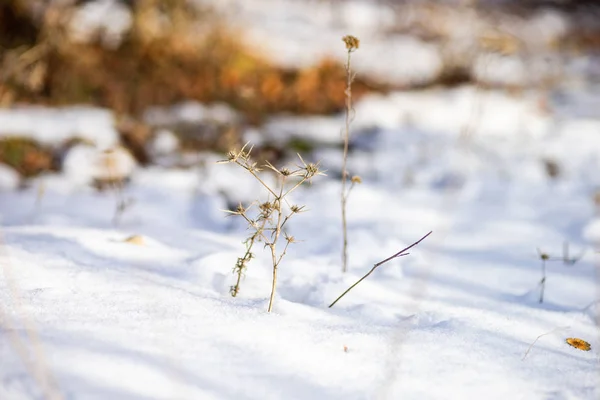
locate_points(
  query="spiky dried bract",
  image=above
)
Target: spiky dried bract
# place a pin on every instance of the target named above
(296, 209)
(579, 344)
(240, 209)
(352, 42)
(285, 172)
(231, 157)
(266, 209)
(312, 170)
(241, 157)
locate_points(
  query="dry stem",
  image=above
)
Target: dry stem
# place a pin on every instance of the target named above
(398, 254)
(352, 44)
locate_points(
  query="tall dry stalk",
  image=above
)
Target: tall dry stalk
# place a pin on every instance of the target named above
(352, 44)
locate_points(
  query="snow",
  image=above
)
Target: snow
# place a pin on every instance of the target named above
(83, 164)
(406, 43)
(87, 314)
(56, 126)
(190, 112)
(9, 178)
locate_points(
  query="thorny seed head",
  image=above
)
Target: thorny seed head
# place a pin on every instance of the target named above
(356, 179)
(290, 239)
(266, 208)
(352, 42)
(232, 156)
(311, 170)
(285, 172)
(296, 209)
(236, 156)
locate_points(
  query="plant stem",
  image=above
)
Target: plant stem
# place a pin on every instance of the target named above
(543, 281)
(398, 254)
(345, 162)
(273, 244)
(274, 282)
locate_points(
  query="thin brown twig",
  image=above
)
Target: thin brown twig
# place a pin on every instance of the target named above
(398, 254)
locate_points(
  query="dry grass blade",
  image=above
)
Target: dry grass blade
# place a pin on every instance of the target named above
(538, 338)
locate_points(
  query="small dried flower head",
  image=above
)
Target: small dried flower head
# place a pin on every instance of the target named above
(232, 156)
(266, 207)
(296, 209)
(311, 170)
(356, 179)
(290, 239)
(544, 256)
(285, 172)
(579, 344)
(352, 42)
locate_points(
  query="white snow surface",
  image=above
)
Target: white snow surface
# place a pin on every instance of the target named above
(56, 126)
(86, 315)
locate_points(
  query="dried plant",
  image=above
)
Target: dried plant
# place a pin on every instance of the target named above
(544, 257)
(352, 44)
(115, 179)
(401, 253)
(566, 260)
(267, 221)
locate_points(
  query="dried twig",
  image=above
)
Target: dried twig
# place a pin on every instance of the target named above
(398, 254)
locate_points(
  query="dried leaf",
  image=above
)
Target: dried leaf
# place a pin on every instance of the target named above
(579, 344)
(138, 240)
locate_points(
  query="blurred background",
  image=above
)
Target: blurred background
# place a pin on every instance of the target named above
(161, 81)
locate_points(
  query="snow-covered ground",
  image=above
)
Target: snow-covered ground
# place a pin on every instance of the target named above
(87, 314)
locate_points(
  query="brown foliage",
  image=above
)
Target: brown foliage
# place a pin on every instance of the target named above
(154, 66)
(24, 155)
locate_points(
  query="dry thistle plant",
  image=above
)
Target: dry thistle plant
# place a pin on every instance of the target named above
(352, 44)
(268, 222)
